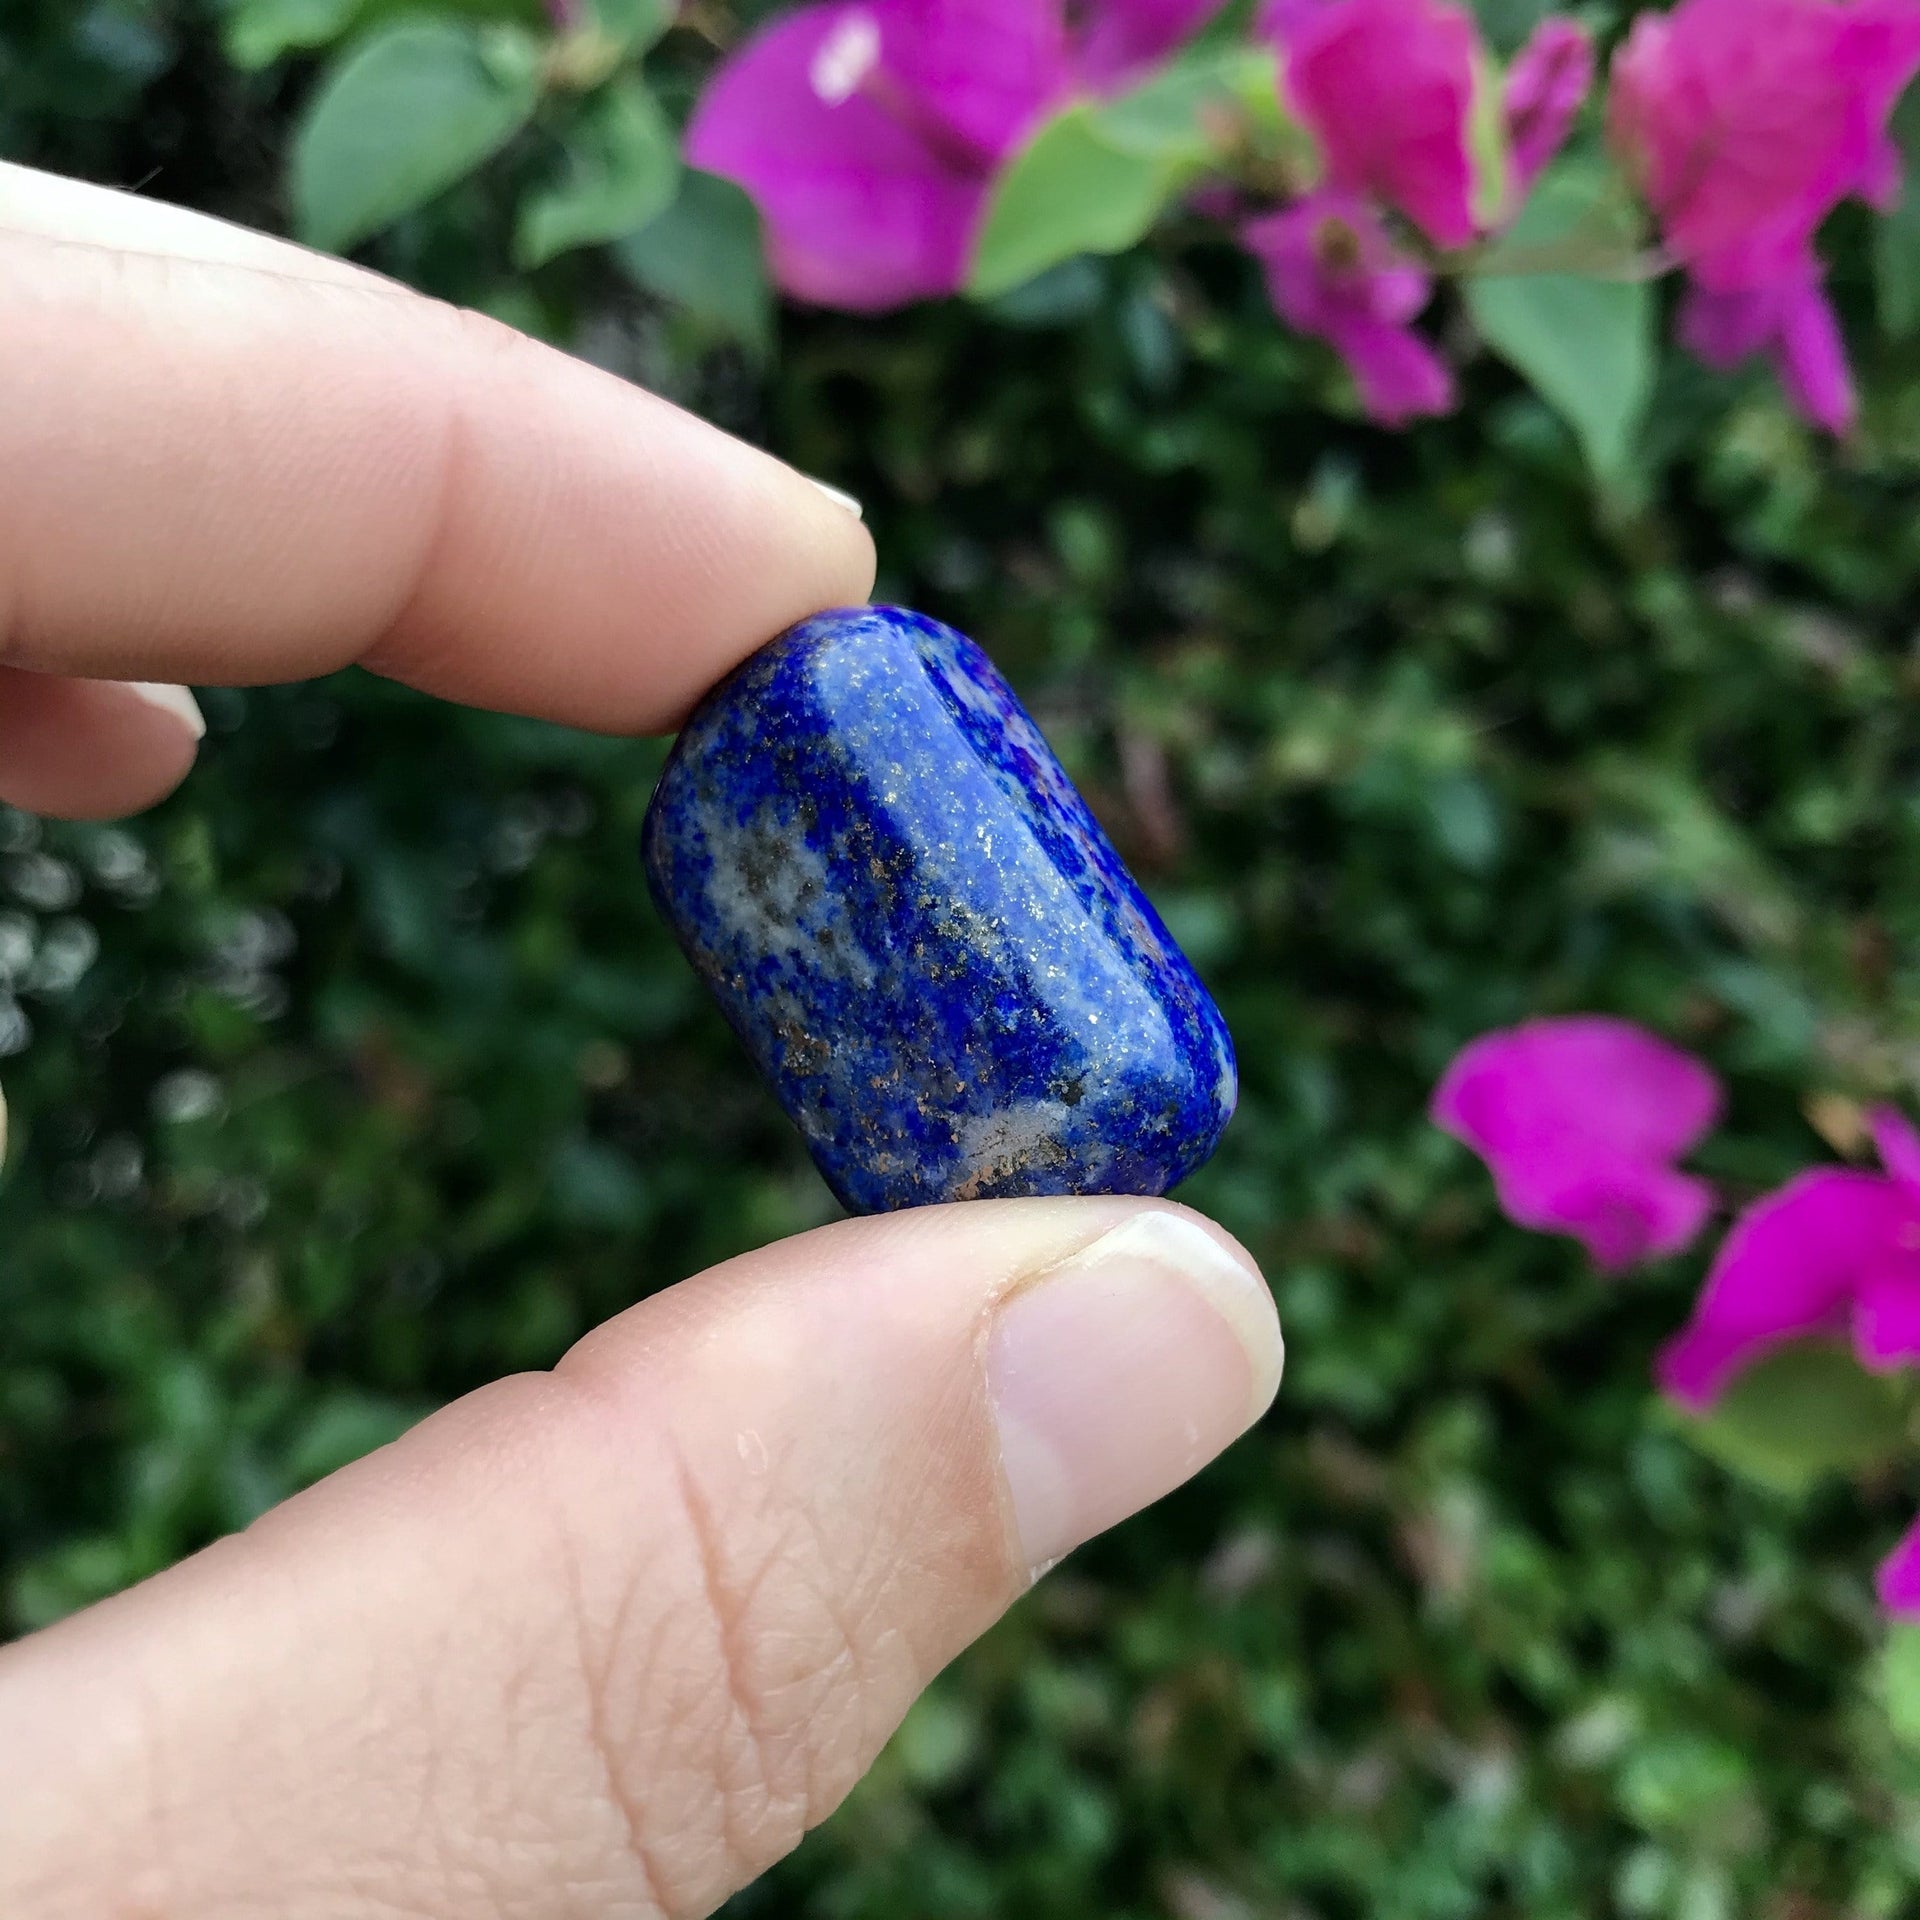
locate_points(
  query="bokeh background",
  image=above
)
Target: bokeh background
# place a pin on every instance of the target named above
(363, 1071)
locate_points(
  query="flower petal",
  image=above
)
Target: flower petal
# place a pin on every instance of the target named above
(1897, 1143)
(1546, 84)
(1811, 360)
(1792, 1265)
(1328, 253)
(1401, 377)
(983, 70)
(1579, 1118)
(861, 211)
(1119, 39)
(1886, 1315)
(1898, 1581)
(1747, 121)
(1882, 173)
(1580, 1077)
(1723, 329)
(1333, 272)
(1622, 1210)
(1387, 88)
(1793, 323)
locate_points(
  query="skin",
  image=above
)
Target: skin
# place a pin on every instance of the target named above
(602, 1641)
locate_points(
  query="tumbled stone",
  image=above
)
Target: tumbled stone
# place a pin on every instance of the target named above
(932, 951)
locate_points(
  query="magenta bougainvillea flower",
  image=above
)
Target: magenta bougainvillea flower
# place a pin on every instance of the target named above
(1835, 1252)
(1332, 272)
(1899, 1578)
(1546, 87)
(1792, 323)
(1114, 42)
(869, 134)
(1388, 90)
(1581, 1120)
(1746, 122)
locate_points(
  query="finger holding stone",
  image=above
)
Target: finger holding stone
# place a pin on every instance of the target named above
(610, 1640)
(224, 473)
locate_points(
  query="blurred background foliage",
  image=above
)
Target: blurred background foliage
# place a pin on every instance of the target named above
(362, 1072)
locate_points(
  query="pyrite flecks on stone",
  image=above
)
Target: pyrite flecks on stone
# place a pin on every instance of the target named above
(932, 951)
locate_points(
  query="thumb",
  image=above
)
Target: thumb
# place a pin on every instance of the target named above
(609, 1640)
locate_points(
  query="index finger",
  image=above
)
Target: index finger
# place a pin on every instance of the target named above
(222, 461)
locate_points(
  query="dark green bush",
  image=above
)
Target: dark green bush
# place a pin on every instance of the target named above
(362, 1072)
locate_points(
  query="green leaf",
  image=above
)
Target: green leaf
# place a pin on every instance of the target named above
(1508, 24)
(1075, 188)
(341, 1428)
(1802, 1413)
(1584, 342)
(704, 254)
(940, 1740)
(258, 32)
(613, 32)
(1900, 1681)
(1097, 175)
(412, 109)
(622, 167)
(1063, 296)
(633, 25)
(1685, 1783)
(1896, 240)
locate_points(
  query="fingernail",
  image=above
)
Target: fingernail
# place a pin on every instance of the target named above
(1121, 1372)
(176, 701)
(838, 498)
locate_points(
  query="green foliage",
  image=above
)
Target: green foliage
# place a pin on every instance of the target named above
(1803, 1413)
(1585, 340)
(1897, 236)
(1096, 176)
(620, 169)
(411, 110)
(1900, 1681)
(259, 32)
(362, 1072)
(631, 25)
(703, 254)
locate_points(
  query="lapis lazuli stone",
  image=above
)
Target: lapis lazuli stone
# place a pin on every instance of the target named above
(932, 951)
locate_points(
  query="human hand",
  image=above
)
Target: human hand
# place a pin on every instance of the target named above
(607, 1640)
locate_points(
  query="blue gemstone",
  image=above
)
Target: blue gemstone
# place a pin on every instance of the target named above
(933, 953)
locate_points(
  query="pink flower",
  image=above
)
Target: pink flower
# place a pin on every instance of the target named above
(1116, 41)
(1386, 87)
(1546, 85)
(869, 133)
(1792, 322)
(1833, 1252)
(1749, 121)
(1332, 272)
(1899, 1578)
(1580, 1120)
